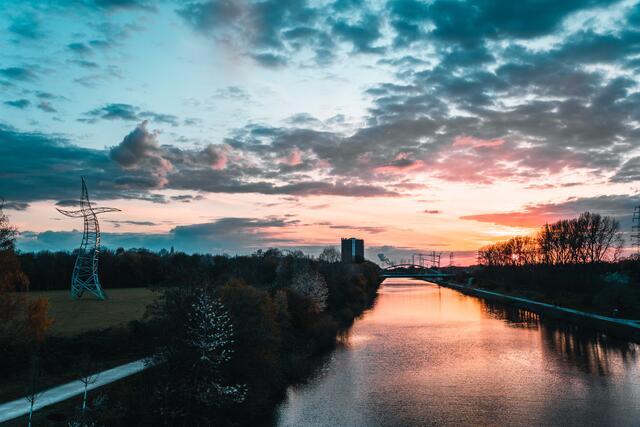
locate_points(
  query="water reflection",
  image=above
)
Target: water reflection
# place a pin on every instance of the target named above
(584, 348)
(426, 355)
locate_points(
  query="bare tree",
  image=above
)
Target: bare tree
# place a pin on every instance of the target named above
(603, 240)
(590, 238)
(89, 376)
(33, 388)
(329, 254)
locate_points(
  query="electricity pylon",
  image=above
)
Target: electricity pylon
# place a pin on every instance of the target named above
(85, 270)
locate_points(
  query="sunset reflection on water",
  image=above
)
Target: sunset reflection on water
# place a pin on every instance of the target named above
(426, 355)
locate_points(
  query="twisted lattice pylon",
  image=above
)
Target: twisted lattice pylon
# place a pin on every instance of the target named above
(85, 271)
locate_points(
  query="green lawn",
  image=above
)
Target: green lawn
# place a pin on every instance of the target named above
(87, 313)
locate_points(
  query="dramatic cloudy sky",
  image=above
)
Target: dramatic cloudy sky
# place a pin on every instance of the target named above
(228, 125)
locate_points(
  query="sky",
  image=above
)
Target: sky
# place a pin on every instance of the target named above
(227, 126)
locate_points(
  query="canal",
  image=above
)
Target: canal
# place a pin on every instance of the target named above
(426, 355)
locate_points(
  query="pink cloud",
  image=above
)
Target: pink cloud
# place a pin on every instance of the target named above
(216, 156)
(530, 219)
(293, 159)
(221, 163)
(466, 140)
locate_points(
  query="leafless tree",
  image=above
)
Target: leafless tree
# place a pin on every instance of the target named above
(33, 388)
(89, 376)
(329, 254)
(590, 238)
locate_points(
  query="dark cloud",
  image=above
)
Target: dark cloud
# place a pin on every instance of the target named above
(68, 203)
(206, 16)
(127, 112)
(186, 198)
(139, 151)
(80, 48)
(216, 184)
(114, 112)
(15, 206)
(139, 164)
(410, 129)
(303, 119)
(18, 103)
(471, 23)
(46, 107)
(129, 222)
(629, 172)
(146, 164)
(18, 73)
(46, 95)
(26, 26)
(234, 234)
(37, 166)
(268, 31)
(122, 4)
(362, 34)
(237, 235)
(159, 118)
(270, 60)
(101, 44)
(85, 64)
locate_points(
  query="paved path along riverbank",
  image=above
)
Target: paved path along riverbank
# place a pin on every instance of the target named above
(620, 328)
(20, 407)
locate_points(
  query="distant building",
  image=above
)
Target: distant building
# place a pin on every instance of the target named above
(352, 250)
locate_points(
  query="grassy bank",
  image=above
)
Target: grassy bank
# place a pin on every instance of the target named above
(608, 289)
(73, 317)
(618, 328)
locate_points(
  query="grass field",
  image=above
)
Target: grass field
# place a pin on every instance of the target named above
(75, 316)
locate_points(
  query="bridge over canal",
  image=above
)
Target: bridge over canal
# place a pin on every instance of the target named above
(414, 271)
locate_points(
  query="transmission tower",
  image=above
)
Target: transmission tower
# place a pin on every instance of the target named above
(635, 230)
(85, 270)
(429, 259)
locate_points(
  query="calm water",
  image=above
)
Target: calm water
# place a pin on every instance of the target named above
(426, 355)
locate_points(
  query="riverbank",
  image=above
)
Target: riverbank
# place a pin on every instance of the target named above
(606, 289)
(620, 328)
(280, 338)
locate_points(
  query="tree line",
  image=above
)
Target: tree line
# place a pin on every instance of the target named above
(139, 267)
(228, 334)
(588, 239)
